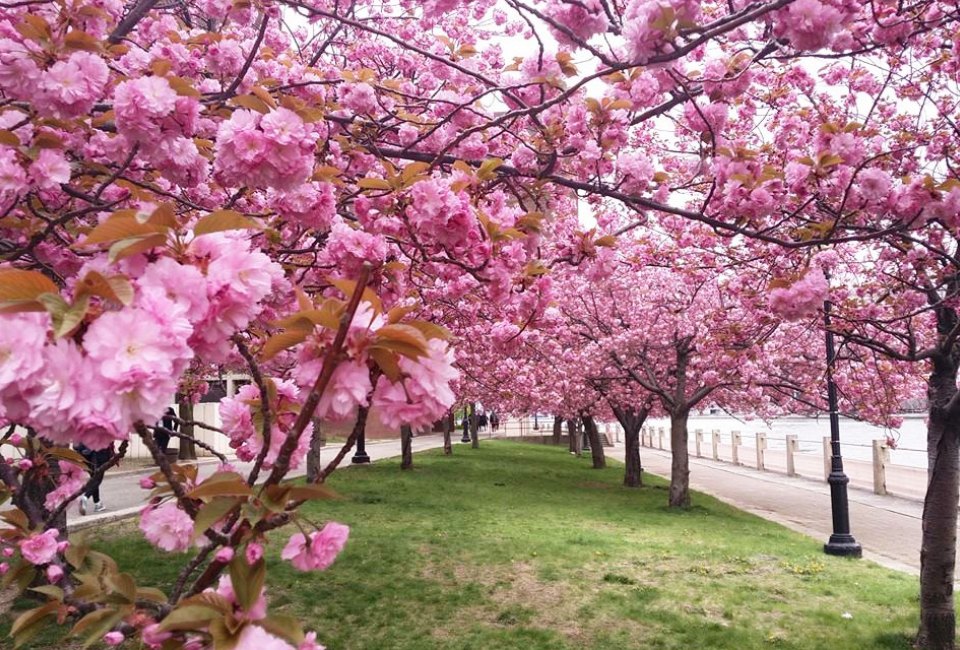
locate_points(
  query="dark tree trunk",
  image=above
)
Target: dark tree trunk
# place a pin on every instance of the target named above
(596, 447)
(557, 429)
(188, 450)
(938, 551)
(573, 430)
(632, 421)
(680, 467)
(313, 453)
(36, 486)
(474, 427)
(448, 426)
(406, 447)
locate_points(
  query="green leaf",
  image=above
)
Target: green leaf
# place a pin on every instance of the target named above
(247, 580)
(119, 228)
(212, 512)
(223, 220)
(283, 341)
(18, 286)
(189, 617)
(312, 491)
(283, 626)
(431, 330)
(387, 361)
(221, 484)
(51, 591)
(65, 317)
(129, 247)
(403, 339)
(32, 616)
(116, 288)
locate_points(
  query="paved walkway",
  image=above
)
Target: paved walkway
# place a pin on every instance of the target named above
(888, 527)
(123, 496)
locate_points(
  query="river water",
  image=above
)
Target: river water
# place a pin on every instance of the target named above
(856, 438)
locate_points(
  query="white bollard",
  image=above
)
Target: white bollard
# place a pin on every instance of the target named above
(716, 444)
(698, 440)
(791, 450)
(735, 440)
(761, 448)
(881, 458)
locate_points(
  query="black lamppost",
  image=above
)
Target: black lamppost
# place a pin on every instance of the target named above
(536, 422)
(361, 455)
(466, 430)
(841, 542)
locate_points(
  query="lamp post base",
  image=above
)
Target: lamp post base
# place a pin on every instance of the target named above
(360, 457)
(843, 546)
(465, 438)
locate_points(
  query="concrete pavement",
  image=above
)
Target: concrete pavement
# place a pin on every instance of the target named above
(122, 495)
(888, 527)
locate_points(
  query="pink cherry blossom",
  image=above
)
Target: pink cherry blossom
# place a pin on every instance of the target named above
(54, 573)
(70, 88)
(424, 395)
(113, 638)
(254, 637)
(167, 527)
(319, 550)
(40, 548)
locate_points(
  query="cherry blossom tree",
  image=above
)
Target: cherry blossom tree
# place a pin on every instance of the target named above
(319, 193)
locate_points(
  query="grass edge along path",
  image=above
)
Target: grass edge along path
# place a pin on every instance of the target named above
(519, 546)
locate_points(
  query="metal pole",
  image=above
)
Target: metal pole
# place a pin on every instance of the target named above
(466, 436)
(361, 455)
(841, 542)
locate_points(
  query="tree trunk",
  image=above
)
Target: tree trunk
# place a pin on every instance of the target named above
(596, 447)
(557, 429)
(448, 426)
(680, 467)
(474, 427)
(938, 551)
(571, 437)
(188, 451)
(313, 453)
(632, 421)
(406, 447)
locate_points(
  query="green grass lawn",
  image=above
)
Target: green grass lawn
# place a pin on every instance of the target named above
(522, 546)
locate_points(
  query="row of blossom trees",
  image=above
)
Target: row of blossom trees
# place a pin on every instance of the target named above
(353, 201)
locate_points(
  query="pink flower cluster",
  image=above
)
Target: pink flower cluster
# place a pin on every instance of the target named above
(424, 394)
(237, 416)
(72, 478)
(229, 297)
(801, 299)
(68, 88)
(167, 527)
(319, 550)
(442, 217)
(312, 205)
(348, 248)
(808, 24)
(40, 548)
(152, 115)
(127, 365)
(275, 150)
(646, 30)
(583, 19)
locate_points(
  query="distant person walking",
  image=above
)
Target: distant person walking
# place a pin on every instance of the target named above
(162, 432)
(494, 421)
(95, 459)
